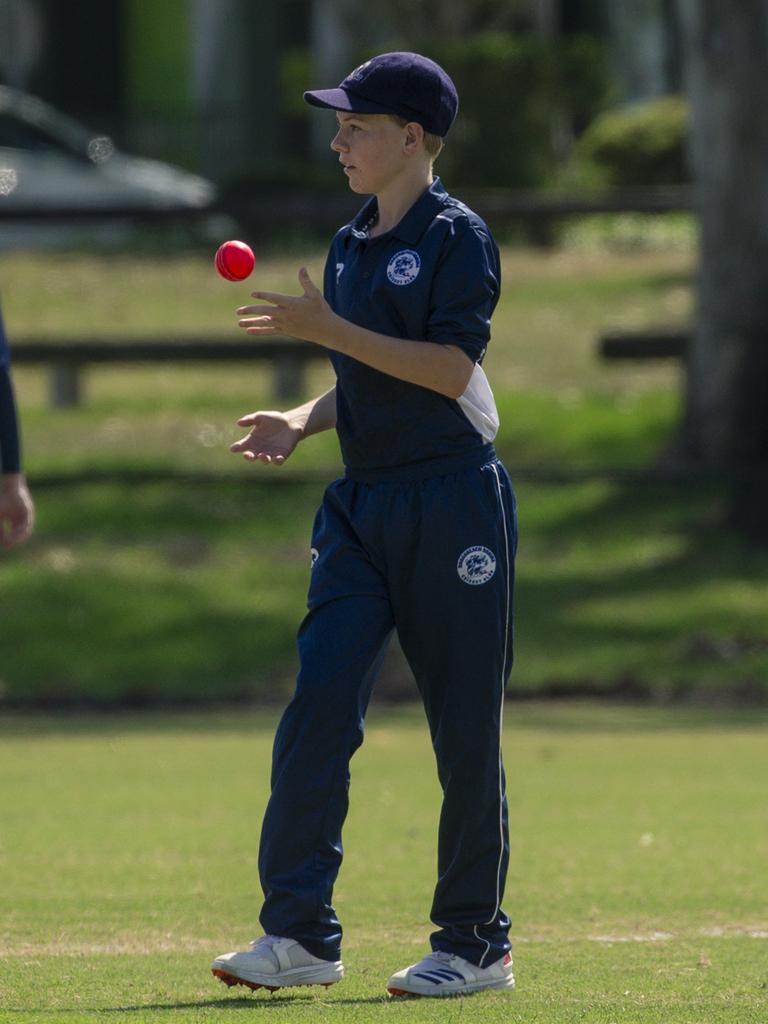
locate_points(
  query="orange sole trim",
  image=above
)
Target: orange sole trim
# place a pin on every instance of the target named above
(231, 979)
(400, 992)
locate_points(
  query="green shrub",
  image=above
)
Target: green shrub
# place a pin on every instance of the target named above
(639, 144)
(512, 89)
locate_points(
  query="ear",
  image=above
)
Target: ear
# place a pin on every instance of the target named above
(414, 136)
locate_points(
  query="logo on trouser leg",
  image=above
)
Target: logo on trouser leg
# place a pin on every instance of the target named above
(476, 565)
(314, 554)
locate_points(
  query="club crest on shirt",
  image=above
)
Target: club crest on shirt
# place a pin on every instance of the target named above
(476, 565)
(404, 267)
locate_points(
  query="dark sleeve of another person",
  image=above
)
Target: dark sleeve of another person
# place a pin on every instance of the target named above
(10, 455)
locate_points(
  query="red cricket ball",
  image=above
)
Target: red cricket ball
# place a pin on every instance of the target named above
(234, 260)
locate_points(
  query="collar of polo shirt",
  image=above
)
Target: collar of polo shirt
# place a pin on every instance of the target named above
(414, 223)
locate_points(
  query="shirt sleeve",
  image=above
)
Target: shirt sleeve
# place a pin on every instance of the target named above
(5, 355)
(10, 457)
(10, 460)
(465, 289)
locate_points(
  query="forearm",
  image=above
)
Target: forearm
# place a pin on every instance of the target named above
(315, 416)
(442, 368)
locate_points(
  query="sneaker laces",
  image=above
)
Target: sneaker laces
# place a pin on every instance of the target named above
(440, 954)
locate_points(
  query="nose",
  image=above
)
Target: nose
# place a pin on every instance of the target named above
(337, 143)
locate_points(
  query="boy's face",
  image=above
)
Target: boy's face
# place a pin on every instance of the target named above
(373, 149)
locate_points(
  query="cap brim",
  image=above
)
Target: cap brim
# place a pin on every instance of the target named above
(340, 99)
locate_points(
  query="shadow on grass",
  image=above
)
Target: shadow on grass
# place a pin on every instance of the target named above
(135, 638)
(188, 598)
(137, 596)
(250, 1003)
(638, 590)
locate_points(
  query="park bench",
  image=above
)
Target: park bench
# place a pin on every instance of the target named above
(67, 358)
(658, 343)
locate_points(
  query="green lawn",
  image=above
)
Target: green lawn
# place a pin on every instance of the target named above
(639, 843)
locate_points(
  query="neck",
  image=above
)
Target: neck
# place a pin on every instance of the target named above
(397, 199)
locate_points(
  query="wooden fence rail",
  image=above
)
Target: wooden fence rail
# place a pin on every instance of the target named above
(280, 210)
(67, 358)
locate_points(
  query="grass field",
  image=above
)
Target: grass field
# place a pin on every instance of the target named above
(636, 887)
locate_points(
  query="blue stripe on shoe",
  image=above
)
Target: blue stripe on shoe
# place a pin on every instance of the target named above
(438, 977)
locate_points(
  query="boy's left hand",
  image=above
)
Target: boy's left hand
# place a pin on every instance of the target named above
(306, 316)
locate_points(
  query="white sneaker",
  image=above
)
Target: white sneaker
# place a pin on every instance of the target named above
(444, 974)
(273, 962)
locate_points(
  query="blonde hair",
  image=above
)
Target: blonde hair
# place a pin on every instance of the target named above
(433, 144)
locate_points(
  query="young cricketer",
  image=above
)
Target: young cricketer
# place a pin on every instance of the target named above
(419, 535)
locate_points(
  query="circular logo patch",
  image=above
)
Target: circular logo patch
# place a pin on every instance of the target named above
(476, 565)
(404, 267)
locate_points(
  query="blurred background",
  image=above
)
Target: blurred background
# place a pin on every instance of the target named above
(618, 153)
(216, 85)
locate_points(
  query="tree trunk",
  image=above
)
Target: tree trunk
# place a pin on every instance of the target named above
(640, 42)
(235, 67)
(726, 419)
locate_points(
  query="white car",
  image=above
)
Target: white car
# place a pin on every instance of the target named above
(48, 161)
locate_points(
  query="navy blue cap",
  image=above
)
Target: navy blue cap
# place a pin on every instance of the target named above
(406, 84)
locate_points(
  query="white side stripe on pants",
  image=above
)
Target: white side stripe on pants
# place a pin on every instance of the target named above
(501, 720)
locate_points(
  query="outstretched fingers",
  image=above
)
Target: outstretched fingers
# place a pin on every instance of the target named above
(276, 298)
(260, 319)
(257, 310)
(255, 453)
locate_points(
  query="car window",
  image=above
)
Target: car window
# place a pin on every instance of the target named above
(16, 134)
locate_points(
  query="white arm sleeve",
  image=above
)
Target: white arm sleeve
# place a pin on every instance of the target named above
(479, 406)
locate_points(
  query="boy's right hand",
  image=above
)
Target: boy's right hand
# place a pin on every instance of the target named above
(272, 438)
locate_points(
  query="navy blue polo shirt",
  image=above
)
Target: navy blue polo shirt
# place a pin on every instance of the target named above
(434, 277)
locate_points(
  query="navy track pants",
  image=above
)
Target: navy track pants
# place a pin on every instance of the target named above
(434, 560)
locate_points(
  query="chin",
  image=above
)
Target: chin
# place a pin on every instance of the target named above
(359, 185)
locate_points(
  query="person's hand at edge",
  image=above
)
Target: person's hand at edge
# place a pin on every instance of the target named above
(17, 510)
